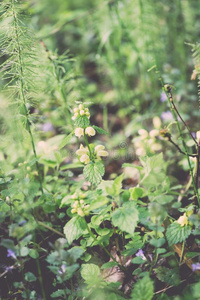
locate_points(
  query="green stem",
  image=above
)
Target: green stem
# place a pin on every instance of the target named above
(40, 275)
(25, 110)
(87, 144)
(101, 245)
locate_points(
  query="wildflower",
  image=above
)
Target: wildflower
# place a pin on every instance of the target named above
(11, 253)
(81, 150)
(85, 159)
(99, 151)
(198, 135)
(195, 267)
(153, 133)
(80, 212)
(163, 97)
(90, 131)
(167, 116)
(143, 133)
(140, 253)
(156, 122)
(79, 132)
(82, 112)
(62, 269)
(183, 220)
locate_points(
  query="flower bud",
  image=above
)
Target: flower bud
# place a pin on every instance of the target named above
(80, 212)
(90, 131)
(157, 122)
(82, 112)
(73, 211)
(80, 106)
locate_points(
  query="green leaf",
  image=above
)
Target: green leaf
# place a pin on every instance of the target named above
(74, 229)
(91, 274)
(58, 293)
(93, 172)
(196, 290)
(33, 253)
(100, 130)
(136, 193)
(116, 186)
(176, 233)
(82, 122)
(126, 217)
(66, 140)
(108, 265)
(30, 277)
(169, 276)
(143, 289)
(133, 246)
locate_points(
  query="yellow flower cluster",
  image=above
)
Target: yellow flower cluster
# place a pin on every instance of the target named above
(81, 111)
(85, 155)
(80, 208)
(90, 152)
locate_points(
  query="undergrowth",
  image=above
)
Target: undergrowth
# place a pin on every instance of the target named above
(97, 203)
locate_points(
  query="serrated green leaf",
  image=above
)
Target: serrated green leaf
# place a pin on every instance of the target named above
(82, 122)
(66, 140)
(143, 289)
(126, 217)
(74, 229)
(167, 275)
(93, 172)
(176, 233)
(91, 274)
(100, 130)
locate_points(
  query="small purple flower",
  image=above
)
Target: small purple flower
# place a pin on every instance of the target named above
(140, 253)
(195, 267)
(62, 269)
(11, 253)
(22, 222)
(167, 116)
(47, 127)
(163, 97)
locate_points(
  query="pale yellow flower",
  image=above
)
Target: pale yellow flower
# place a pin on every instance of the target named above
(80, 106)
(79, 132)
(90, 131)
(198, 135)
(99, 147)
(153, 133)
(73, 211)
(183, 220)
(80, 212)
(81, 150)
(157, 122)
(99, 150)
(143, 133)
(85, 159)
